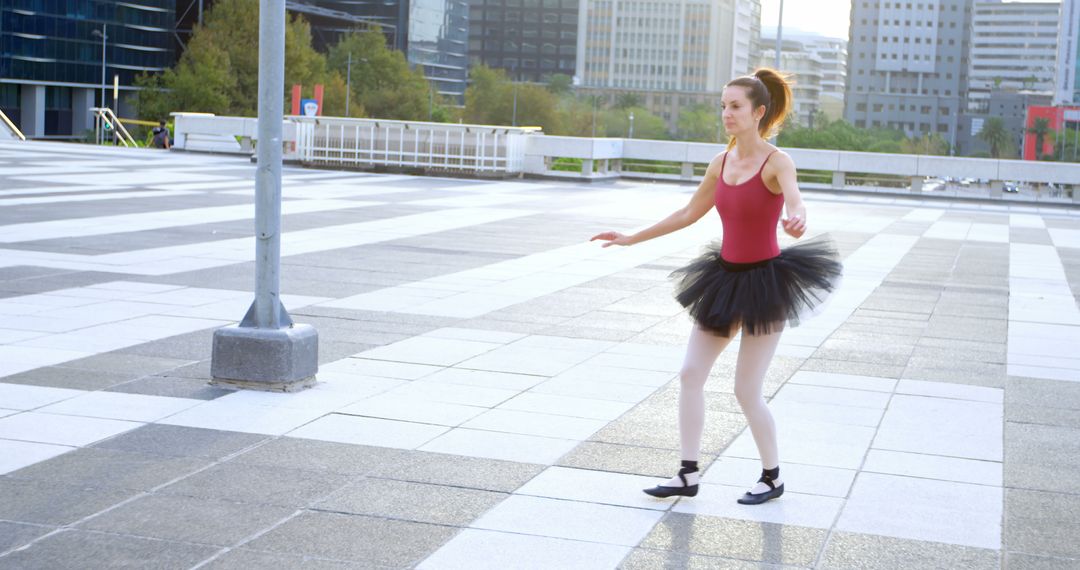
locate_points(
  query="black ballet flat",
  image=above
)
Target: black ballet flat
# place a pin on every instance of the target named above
(664, 492)
(749, 498)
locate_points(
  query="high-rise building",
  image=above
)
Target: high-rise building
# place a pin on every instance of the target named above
(907, 65)
(530, 39)
(672, 54)
(52, 55)
(818, 66)
(1013, 48)
(1067, 81)
(805, 68)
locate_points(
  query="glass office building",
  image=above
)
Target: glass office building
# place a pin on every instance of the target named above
(51, 57)
(433, 34)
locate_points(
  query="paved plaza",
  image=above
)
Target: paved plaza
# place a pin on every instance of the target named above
(494, 391)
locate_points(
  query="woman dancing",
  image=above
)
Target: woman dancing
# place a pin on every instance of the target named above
(745, 282)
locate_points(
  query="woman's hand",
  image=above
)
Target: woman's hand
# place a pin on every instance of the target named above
(794, 226)
(612, 238)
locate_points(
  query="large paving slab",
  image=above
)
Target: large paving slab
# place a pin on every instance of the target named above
(494, 390)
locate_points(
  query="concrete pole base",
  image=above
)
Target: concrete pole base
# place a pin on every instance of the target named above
(279, 360)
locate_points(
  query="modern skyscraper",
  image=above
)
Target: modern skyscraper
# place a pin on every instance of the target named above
(907, 65)
(1067, 81)
(530, 39)
(1013, 48)
(51, 58)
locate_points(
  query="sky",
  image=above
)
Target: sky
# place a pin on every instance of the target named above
(824, 17)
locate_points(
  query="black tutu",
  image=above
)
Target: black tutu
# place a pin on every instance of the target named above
(759, 296)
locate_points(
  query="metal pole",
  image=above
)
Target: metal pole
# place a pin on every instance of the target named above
(200, 11)
(779, 33)
(513, 122)
(348, 84)
(268, 172)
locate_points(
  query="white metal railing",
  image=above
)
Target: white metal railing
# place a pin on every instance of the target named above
(590, 159)
(9, 127)
(106, 120)
(364, 143)
(493, 150)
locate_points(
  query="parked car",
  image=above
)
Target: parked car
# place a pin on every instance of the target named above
(1011, 188)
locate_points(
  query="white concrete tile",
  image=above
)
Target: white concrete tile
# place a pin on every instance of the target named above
(940, 426)
(788, 409)
(849, 381)
(121, 406)
(368, 431)
(609, 374)
(811, 443)
(803, 393)
(61, 430)
(246, 418)
(804, 479)
(430, 350)
(949, 390)
(567, 406)
(527, 360)
(412, 410)
(797, 509)
(487, 550)
(453, 394)
(15, 455)
(478, 335)
(934, 467)
(484, 379)
(531, 423)
(505, 446)
(27, 397)
(924, 509)
(601, 487)
(629, 393)
(573, 520)
(381, 368)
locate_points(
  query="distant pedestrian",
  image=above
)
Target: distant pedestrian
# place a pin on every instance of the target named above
(161, 136)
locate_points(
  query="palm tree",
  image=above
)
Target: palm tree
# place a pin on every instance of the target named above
(994, 134)
(1040, 129)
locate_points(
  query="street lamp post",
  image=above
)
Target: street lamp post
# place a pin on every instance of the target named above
(104, 36)
(348, 84)
(631, 135)
(779, 33)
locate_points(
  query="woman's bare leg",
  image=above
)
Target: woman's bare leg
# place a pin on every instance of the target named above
(701, 353)
(755, 354)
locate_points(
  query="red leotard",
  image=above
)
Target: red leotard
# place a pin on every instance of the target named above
(749, 212)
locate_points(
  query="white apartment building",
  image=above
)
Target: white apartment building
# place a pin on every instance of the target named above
(1067, 81)
(819, 67)
(672, 54)
(806, 70)
(666, 45)
(1013, 48)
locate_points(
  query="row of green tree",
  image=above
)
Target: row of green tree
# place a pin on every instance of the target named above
(218, 73)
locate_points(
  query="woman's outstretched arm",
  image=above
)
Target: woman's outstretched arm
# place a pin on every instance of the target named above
(700, 203)
(786, 178)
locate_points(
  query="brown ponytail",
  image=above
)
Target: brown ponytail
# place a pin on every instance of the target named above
(769, 88)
